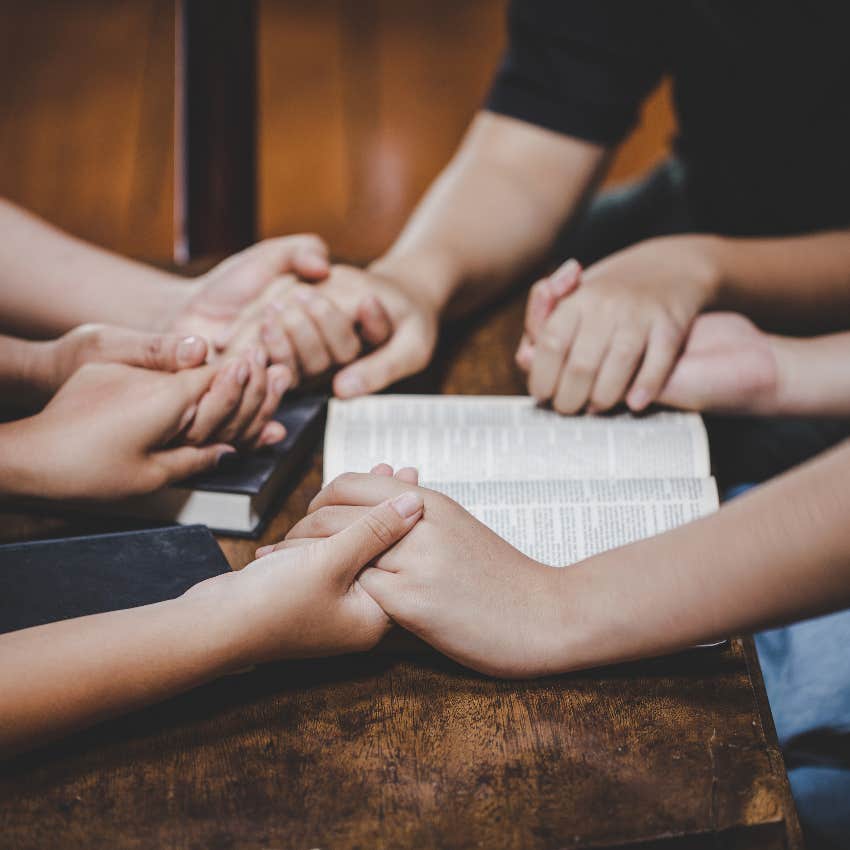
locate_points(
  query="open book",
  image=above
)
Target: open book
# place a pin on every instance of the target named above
(558, 488)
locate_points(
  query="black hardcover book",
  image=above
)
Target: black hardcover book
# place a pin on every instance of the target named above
(236, 497)
(49, 580)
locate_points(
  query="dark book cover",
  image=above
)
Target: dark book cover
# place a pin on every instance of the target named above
(49, 580)
(251, 472)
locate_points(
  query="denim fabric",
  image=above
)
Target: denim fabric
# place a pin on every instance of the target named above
(806, 668)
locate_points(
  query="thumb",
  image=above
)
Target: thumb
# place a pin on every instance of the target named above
(160, 352)
(186, 461)
(382, 586)
(353, 548)
(305, 254)
(690, 385)
(405, 354)
(539, 306)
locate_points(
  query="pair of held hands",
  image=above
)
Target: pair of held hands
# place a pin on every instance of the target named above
(629, 329)
(376, 549)
(623, 329)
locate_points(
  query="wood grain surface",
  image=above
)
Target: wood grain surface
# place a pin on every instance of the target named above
(403, 749)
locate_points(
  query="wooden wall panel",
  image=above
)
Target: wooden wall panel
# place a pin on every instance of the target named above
(361, 103)
(85, 117)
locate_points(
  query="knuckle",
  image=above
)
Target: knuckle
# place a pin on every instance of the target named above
(581, 366)
(625, 346)
(153, 350)
(551, 341)
(380, 529)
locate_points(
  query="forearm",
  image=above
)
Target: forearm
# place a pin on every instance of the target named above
(61, 677)
(51, 282)
(796, 283)
(778, 554)
(813, 379)
(24, 372)
(494, 212)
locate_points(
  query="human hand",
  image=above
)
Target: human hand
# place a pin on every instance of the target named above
(58, 359)
(115, 430)
(405, 336)
(214, 301)
(308, 331)
(728, 366)
(617, 336)
(451, 580)
(315, 328)
(305, 601)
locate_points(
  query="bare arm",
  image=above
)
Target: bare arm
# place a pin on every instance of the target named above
(491, 217)
(64, 676)
(51, 282)
(795, 282)
(494, 212)
(778, 554)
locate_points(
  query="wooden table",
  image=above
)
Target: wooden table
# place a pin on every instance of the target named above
(389, 751)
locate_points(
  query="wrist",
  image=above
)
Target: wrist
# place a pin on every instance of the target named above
(219, 625)
(807, 383)
(428, 280)
(43, 370)
(20, 460)
(235, 621)
(707, 265)
(172, 300)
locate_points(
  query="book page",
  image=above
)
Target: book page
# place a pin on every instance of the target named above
(473, 438)
(563, 521)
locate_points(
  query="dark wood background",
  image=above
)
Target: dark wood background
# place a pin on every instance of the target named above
(361, 102)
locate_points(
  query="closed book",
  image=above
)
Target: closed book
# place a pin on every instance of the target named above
(237, 497)
(50, 580)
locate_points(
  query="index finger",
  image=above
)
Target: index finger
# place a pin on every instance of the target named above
(359, 488)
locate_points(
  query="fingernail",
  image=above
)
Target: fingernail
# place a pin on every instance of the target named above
(281, 384)
(188, 350)
(260, 356)
(263, 550)
(305, 296)
(525, 354)
(407, 504)
(564, 279)
(274, 433)
(242, 373)
(638, 399)
(349, 384)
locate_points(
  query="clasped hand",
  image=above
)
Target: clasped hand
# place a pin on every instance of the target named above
(451, 580)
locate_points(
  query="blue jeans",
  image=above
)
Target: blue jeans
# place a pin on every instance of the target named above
(806, 669)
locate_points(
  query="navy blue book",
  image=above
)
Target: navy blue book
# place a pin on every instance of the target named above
(237, 497)
(49, 580)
